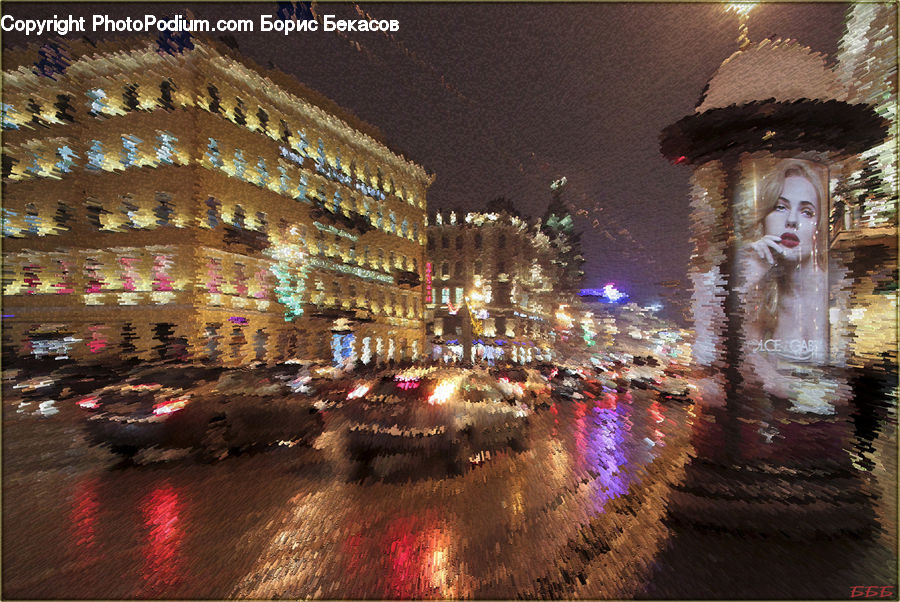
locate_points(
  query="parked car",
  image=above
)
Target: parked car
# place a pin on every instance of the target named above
(525, 383)
(444, 415)
(643, 374)
(39, 388)
(673, 388)
(210, 411)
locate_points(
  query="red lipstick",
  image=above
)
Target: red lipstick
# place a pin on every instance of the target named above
(789, 240)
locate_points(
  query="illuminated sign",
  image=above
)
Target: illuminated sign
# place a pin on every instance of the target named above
(428, 297)
(607, 294)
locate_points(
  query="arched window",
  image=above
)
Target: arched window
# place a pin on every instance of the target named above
(130, 97)
(263, 119)
(239, 217)
(32, 220)
(166, 87)
(212, 212)
(285, 133)
(215, 103)
(240, 116)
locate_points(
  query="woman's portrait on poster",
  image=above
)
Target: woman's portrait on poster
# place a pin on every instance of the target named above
(785, 273)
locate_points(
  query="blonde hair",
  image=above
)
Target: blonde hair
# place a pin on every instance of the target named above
(771, 190)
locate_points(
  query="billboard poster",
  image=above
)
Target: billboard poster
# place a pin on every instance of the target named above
(781, 227)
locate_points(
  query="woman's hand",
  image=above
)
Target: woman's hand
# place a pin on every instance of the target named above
(758, 258)
(768, 248)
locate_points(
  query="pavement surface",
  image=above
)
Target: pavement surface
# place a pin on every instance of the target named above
(580, 514)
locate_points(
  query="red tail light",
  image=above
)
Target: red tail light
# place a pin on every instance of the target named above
(359, 391)
(170, 406)
(89, 402)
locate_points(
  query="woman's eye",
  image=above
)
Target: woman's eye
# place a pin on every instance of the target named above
(780, 207)
(808, 213)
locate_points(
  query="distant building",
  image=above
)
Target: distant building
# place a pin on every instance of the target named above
(176, 200)
(489, 288)
(864, 212)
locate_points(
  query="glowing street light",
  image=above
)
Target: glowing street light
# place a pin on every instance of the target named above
(742, 9)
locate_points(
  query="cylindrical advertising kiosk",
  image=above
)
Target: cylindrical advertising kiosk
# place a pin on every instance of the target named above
(770, 139)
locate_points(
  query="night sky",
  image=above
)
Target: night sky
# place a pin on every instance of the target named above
(501, 99)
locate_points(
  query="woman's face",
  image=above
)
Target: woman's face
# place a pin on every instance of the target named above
(794, 218)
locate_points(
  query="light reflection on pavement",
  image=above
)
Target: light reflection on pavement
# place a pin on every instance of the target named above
(488, 533)
(287, 523)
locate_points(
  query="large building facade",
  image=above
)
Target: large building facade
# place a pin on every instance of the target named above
(863, 224)
(489, 289)
(162, 202)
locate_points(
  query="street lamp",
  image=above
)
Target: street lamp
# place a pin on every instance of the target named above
(742, 9)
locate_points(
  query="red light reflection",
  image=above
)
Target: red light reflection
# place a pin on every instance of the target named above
(658, 415)
(84, 519)
(163, 562)
(419, 551)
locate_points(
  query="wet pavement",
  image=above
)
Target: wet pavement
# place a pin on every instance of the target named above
(288, 522)
(581, 513)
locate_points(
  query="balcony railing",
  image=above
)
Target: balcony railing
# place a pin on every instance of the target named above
(407, 279)
(252, 240)
(355, 223)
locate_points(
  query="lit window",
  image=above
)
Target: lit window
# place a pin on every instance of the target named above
(262, 171)
(32, 219)
(302, 189)
(8, 124)
(95, 155)
(165, 147)
(97, 101)
(130, 210)
(213, 154)
(445, 295)
(66, 158)
(459, 295)
(283, 179)
(130, 150)
(240, 164)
